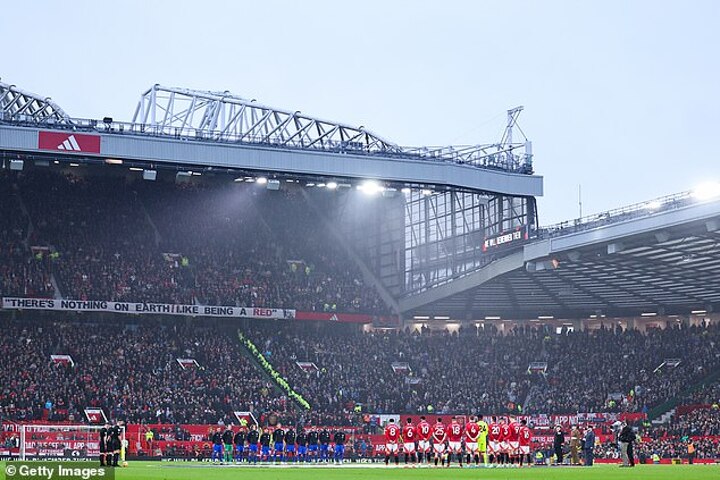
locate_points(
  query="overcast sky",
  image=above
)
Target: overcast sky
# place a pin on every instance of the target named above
(621, 97)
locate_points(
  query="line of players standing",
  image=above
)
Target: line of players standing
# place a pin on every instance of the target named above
(503, 442)
(110, 444)
(253, 445)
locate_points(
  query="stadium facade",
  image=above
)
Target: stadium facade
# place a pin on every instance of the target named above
(445, 234)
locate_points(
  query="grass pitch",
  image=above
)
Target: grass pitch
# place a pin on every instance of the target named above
(200, 471)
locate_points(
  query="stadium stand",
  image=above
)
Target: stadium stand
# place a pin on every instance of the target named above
(108, 239)
(472, 371)
(356, 368)
(129, 370)
(696, 421)
(624, 363)
(21, 273)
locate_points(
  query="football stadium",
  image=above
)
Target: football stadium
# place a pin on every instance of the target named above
(217, 287)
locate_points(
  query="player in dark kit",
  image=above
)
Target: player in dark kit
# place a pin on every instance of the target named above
(239, 442)
(217, 442)
(290, 444)
(339, 440)
(324, 444)
(278, 437)
(265, 445)
(301, 445)
(104, 443)
(114, 445)
(312, 440)
(253, 437)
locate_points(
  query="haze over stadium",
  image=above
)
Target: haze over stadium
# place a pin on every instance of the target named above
(265, 258)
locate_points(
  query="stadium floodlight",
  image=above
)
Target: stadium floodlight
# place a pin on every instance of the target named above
(441, 317)
(113, 161)
(406, 190)
(706, 191)
(492, 317)
(648, 314)
(262, 180)
(370, 187)
(421, 317)
(321, 185)
(310, 184)
(136, 169)
(545, 317)
(332, 185)
(698, 312)
(74, 164)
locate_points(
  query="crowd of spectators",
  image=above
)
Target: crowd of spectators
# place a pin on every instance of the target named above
(472, 370)
(695, 423)
(480, 370)
(705, 394)
(21, 272)
(105, 238)
(102, 243)
(249, 246)
(130, 371)
(624, 371)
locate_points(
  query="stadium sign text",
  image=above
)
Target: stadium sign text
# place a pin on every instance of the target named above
(506, 239)
(14, 303)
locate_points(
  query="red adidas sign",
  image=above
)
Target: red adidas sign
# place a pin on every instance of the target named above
(68, 142)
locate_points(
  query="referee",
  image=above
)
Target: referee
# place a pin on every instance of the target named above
(104, 443)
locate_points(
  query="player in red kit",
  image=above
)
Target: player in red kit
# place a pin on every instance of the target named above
(392, 434)
(513, 439)
(494, 441)
(504, 441)
(422, 432)
(408, 435)
(524, 443)
(439, 437)
(454, 433)
(472, 432)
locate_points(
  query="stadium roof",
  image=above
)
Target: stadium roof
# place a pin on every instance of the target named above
(190, 129)
(18, 103)
(223, 116)
(648, 263)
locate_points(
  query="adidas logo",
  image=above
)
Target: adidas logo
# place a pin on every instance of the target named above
(334, 318)
(70, 144)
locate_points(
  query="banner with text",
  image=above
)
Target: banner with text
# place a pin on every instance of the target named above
(14, 303)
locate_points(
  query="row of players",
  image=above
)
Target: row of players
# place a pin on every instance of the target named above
(279, 445)
(503, 441)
